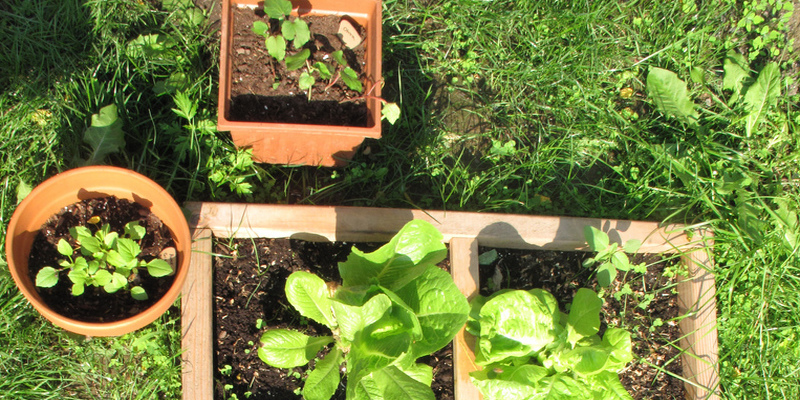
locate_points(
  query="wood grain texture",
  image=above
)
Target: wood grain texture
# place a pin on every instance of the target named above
(197, 322)
(464, 267)
(697, 298)
(364, 224)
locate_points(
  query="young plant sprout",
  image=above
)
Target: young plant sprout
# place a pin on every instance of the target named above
(107, 259)
(296, 30)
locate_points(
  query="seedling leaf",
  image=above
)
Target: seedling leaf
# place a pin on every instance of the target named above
(47, 277)
(134, 230)
(670, 95)
(158, 268)
(260, 28)
(296, 31)
(306, 81)
(606, 273)
(138, 293)
(595, 238)
(632, 245)
(297, 61)
(118, 281)
(338, 56)
(78, 289)
(276, 47)
(324, 70)
(350, 78)
(102, 277)
(390, 112)
(278, 9)
(64, 248)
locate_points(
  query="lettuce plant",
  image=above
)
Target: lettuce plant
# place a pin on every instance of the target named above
(529, 349)
(393, 306)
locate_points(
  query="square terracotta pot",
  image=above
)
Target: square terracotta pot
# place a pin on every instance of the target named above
(304, 144)
(464, 232)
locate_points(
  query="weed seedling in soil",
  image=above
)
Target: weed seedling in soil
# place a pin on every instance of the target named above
(107, 259)
(296, 30)
(529, 349)
(610, 257)
(393, 307)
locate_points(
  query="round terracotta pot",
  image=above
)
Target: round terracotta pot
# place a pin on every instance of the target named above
(85, 183)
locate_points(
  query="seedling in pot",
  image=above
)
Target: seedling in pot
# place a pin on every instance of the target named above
(393, 306)
(296, 30)
(107, 259)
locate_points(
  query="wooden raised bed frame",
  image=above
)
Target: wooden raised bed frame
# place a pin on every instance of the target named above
(463, 231)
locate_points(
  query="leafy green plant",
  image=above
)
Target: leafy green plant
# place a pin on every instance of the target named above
(529, 349)
(296, 30)
(610, 257)
(113, 260)
(758, 96)
(394, 306)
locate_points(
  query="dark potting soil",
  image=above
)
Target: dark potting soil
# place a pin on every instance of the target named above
(96, 305)
(263, 90)
(562, 274)
(249, 281)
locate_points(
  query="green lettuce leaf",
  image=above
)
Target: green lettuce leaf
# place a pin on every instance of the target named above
(515, 324)
(309, 294)
(415, 247)
(440, 308)
(283, 348)
(322, 382)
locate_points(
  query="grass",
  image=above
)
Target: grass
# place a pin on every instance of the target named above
(507, 106)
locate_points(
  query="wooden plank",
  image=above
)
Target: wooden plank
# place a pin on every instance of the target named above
(464, 267)
(197, 322)
(697, 298)
(364, 224)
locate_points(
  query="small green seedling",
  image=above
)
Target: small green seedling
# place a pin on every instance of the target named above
(107, 259)
(296, 30)
(610, 257)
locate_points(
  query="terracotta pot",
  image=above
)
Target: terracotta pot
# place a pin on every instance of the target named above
(85, 183)
(464, 231)
(304, 144)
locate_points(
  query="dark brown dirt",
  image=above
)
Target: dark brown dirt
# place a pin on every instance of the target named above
(249, 280)
(95, 305)
(264, 91)
(562, 274)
